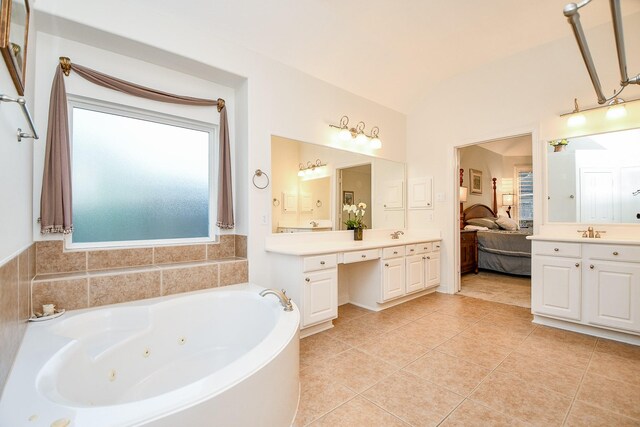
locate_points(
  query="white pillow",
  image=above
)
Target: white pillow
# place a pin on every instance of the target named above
(507, 223)
(475, 227)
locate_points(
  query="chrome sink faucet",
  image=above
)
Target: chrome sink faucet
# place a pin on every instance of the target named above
(282, 296)
(314, 223)
(589, 233)
(396, 234)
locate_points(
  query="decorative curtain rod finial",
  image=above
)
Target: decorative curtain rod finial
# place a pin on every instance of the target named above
(65, 64)
(220, 104)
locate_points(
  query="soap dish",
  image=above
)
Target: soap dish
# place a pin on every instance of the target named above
(57, 313)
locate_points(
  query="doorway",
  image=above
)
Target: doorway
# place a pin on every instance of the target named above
(354, 186)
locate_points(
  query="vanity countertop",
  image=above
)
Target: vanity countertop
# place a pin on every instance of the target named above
(617, 240)
(301, 248)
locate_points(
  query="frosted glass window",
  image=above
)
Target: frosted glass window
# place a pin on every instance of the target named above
(136, 179)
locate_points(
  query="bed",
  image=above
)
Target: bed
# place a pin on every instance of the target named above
(501, 250)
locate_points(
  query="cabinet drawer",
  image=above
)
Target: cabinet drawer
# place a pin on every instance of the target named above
(613, 252)
(393, 252)
(422, 248)
(321, 262)
(468, 237)
(556, 249)
(351, 257)
(411, 250)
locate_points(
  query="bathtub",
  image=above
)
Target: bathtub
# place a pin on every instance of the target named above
(223, 357)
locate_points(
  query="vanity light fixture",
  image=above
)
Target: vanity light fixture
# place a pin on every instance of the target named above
(616, 108)
(576, 118)
(357, 134)
(310, 168)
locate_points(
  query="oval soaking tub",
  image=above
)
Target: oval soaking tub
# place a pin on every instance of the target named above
(222, 357)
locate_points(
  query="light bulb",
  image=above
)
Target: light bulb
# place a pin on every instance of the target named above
(576, 120)
(344, 134)
(616, 111)
(300, 172)
(308, 172)
(376, 144)
(361, 139)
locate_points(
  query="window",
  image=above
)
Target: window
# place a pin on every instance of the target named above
(139, 176)
(524, 176)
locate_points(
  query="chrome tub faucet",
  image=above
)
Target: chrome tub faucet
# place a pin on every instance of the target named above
(282, 296)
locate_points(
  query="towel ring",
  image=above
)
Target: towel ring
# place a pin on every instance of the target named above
(276, 202)
(319, 204)
(259, 173)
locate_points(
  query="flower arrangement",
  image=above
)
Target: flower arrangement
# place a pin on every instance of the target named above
(558, 142)
(358, 212)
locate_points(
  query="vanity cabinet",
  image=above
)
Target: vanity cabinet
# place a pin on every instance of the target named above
(393, 280)
(432, 267)
(592, 284)
(415, 270)
(320, 297)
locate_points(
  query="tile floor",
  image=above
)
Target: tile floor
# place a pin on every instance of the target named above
(497, 287)
(452, 360)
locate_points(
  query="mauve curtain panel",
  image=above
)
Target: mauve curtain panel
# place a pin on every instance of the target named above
(55, 202)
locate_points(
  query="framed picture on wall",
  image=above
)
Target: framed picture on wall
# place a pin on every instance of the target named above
(347, 197)
(475, 178)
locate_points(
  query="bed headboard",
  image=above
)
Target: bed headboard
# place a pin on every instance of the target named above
(478, 211)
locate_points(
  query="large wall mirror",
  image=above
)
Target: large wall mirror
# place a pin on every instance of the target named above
(595, 179)
(311, 183)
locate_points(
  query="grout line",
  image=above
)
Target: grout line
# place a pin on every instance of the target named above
(584, 374)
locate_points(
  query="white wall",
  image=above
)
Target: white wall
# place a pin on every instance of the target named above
(524, 93)
(16, 168)
(491, 166)
(280, 100)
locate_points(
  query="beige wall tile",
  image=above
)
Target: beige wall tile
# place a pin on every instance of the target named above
(224, 249)
(24, 288)
(233, 272)
(177, 280)
(68, 294)
(117, 258)
(50, 258)
(113, 289)
(10, 336)
(241, 246)
(171, 254)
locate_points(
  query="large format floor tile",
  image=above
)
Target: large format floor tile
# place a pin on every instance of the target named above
(452, 360)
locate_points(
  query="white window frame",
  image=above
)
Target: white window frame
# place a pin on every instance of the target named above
(76, 101)
(516, 179)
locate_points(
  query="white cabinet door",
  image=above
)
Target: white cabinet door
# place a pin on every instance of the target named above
(432, 269)
(320, 297)
(392, 278)
(555, 287)
(421, 193)
(415, 273)
(612, 295)
(393, 194)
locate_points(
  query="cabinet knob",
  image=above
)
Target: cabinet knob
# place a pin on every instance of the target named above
(395, 252)
(411, 250)
(307, 280)
(386, 265)
(424, 257)
(591, 266)
(556, 249)
(428, 257)
(322, 262)
(424, 249)
(364, 256)
(615, 252)
(577, 264)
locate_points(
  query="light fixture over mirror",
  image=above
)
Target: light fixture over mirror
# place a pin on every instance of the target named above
(357, 134)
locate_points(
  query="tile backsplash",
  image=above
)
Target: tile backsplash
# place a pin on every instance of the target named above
(81, 279)
(15, 277)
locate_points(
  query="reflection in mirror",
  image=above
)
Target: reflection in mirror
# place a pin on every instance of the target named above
(18, 33)
(311, 183)
(595, 179)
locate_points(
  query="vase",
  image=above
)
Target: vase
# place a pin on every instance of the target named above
(357, 233)
(558, 148)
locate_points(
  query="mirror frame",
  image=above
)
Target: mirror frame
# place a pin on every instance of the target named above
(17, 69)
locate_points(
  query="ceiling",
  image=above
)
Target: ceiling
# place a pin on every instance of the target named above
(392, 52)
(389, 51)
(515, 146)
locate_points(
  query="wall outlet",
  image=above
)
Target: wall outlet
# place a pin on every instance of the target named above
(265, 219)
(441, 197)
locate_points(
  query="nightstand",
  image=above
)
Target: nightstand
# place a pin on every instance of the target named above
(468, 251)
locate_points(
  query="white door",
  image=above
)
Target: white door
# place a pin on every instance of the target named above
(415, 273)
(630, 203)
(612, 291)
(555, 287)
(432, 268)
(320, 297)
(393, 194)
(392, 278)
(598, 195)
